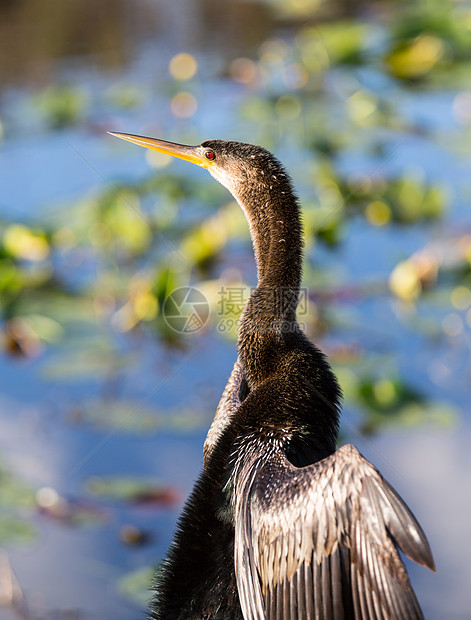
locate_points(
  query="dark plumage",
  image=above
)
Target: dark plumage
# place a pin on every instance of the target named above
(280, 525)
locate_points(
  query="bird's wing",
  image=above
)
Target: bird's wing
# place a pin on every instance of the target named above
(321, 541)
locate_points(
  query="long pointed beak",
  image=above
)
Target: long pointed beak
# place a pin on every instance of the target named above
(188, 153)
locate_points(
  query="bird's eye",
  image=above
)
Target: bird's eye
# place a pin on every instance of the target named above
(209, 155)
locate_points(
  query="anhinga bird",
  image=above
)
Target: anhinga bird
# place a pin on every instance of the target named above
(281, 525)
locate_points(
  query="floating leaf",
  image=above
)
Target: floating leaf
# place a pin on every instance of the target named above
(413, 59)
(22, 242)
(88, 362)
(126, 96)
(121, 416)
(387, 395)
(136, 586)
(134, 417)
(13, 492)
(16, 500)
(14, 531)
(343, 41)
(62, 105)
(134, 490)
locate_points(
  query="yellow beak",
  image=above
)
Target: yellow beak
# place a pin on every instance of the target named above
(188, 153)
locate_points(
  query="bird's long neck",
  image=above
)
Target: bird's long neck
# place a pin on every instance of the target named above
(273, 214)
(275, 229)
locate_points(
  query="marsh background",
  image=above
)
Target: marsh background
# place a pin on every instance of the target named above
(103, 407)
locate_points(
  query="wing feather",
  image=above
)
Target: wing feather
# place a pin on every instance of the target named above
(308, 590)
(321, 542)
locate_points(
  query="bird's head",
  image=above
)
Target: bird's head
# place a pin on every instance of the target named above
(235, 165)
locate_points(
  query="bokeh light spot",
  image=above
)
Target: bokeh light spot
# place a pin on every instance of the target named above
(384, 391)
(288, 106)
(21, 242)
(361, 106)
(46, 497)
(244, 71)
(416, 58)
(296, 76)
(184, 105)
(158, 160)
(378, 213)
(452, 324)
(462, 108)
(183, 67)
(461, 297)
(273, 51)
(404, 281)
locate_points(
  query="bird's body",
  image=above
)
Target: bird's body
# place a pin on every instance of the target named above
(280, 525)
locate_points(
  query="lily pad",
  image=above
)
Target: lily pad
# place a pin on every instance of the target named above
(136, 586)
(14, 530)
(134, 490)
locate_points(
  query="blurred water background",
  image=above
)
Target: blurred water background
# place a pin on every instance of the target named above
(103, 406)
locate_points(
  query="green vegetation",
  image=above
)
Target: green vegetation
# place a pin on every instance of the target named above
(17, 504)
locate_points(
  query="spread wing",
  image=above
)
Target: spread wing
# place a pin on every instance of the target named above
(321, 541)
